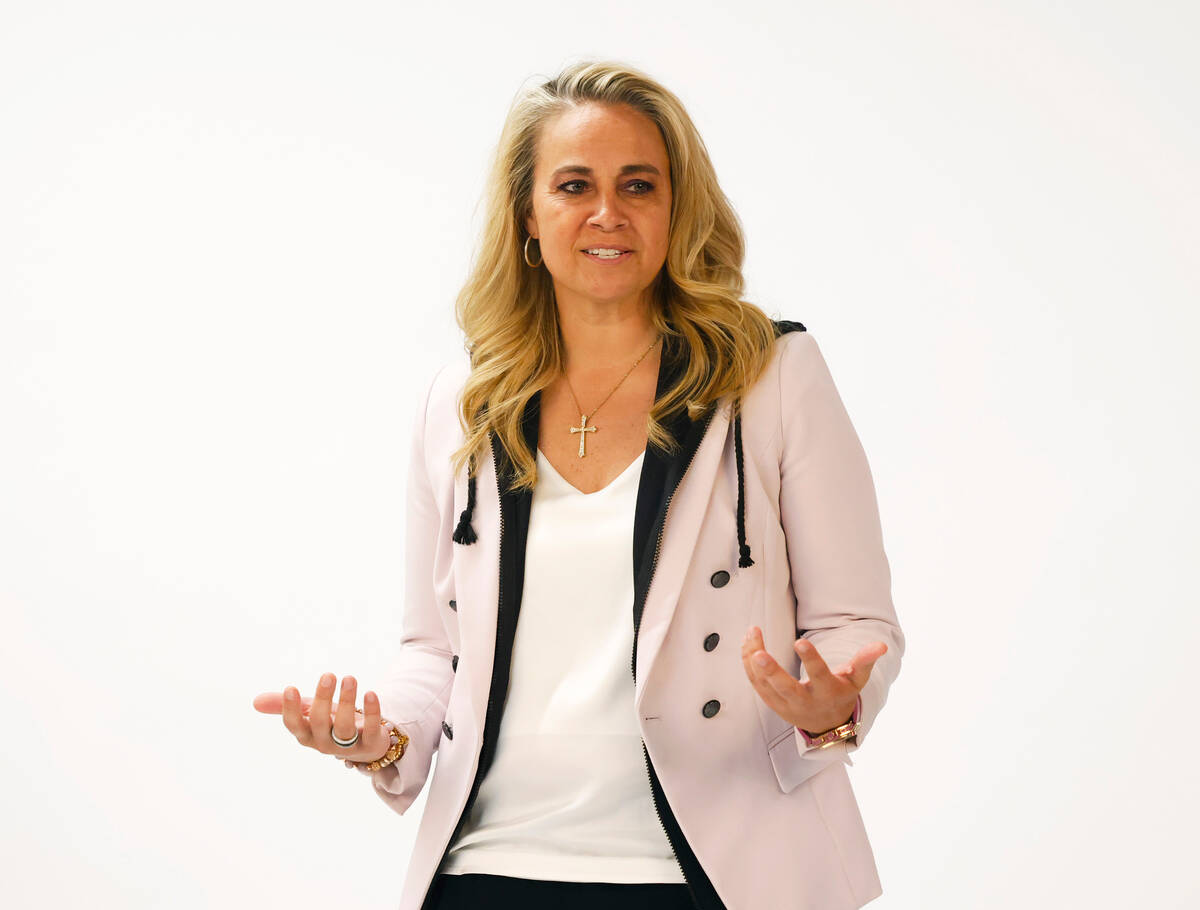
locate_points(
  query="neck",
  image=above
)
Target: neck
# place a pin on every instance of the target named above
(602, 341)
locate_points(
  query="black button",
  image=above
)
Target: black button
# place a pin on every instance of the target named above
(720, 579)
(454, 606)
(710, 641)
(711, 707)
(454, 663)
(446, 729)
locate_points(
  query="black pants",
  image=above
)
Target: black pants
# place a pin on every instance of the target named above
(472, 890)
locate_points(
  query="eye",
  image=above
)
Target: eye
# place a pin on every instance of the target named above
(648, 187)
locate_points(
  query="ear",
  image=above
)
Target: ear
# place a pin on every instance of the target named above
(531, 225)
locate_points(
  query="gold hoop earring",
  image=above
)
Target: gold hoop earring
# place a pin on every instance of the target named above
(532, 265)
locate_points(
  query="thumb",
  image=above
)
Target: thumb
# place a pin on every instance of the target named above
(269, 702)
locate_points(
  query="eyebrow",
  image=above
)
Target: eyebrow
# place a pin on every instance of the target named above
(627, 169)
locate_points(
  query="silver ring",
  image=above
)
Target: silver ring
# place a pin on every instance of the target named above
(345, 744)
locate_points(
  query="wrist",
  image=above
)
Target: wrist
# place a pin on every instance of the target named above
(837, 733)
(397, 743)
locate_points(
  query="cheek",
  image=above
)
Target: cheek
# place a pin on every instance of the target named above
(662, 229)
(661, 241)
(562, 232)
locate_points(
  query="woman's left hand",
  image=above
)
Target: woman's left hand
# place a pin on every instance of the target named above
(825, 700)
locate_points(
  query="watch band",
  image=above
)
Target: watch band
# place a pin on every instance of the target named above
(838, 733)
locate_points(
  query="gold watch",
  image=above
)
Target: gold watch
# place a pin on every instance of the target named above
(848, 730)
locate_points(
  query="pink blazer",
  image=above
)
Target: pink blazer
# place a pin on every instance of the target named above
(768, 821)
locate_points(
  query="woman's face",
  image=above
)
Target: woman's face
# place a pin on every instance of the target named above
(601, 180)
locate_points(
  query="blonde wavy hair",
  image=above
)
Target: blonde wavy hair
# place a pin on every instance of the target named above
(507, 310)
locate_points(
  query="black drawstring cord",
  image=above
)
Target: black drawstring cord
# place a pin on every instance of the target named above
(464, 533)
(744, 560)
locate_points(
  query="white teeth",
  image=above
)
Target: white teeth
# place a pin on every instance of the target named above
(605, 253)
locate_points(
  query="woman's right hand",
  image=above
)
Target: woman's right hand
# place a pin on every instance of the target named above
(310, 719)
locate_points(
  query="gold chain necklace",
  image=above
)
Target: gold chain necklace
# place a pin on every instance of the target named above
(583, 429)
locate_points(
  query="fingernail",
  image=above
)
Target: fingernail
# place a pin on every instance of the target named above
(760, 659)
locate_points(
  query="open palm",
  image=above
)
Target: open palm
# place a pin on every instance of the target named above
(312, 720)
(822, 702)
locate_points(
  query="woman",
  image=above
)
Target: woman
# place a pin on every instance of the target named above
(620, 398)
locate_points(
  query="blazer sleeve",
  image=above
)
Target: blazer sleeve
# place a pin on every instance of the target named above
(415, 690)
(839, 571)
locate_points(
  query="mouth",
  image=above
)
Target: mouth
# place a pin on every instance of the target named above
(607, 253)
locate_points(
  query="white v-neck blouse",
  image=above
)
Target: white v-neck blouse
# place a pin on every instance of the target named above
(567, 797)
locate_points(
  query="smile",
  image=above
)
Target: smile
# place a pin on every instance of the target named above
(604, 254)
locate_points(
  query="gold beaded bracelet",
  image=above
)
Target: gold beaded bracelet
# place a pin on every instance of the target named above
(394, 752)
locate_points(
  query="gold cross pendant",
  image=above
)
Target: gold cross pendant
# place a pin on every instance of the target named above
(583, 429)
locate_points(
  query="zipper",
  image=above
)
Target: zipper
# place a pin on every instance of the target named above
(488, 713)
(633, 661)
(650, 783)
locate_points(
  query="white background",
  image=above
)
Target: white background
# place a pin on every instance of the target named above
(230, 239)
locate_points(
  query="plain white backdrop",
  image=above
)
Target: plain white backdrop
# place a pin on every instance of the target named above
(230, 239)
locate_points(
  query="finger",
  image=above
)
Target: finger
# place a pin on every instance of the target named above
(320, 714)
(749, 643)
(755, 657)
(344, 723)
(789, 689)
(771, 698)
(752, 644)
(292, 719)
(864, 661)
(376, 740)
(814, 664)
(758, 675)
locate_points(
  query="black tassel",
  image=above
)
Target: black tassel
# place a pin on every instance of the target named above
(743, 548)
(464, 533)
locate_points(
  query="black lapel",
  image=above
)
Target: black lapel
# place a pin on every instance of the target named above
(514, 529)
(661, 473)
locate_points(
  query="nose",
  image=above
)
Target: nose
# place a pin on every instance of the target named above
(608, 215)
